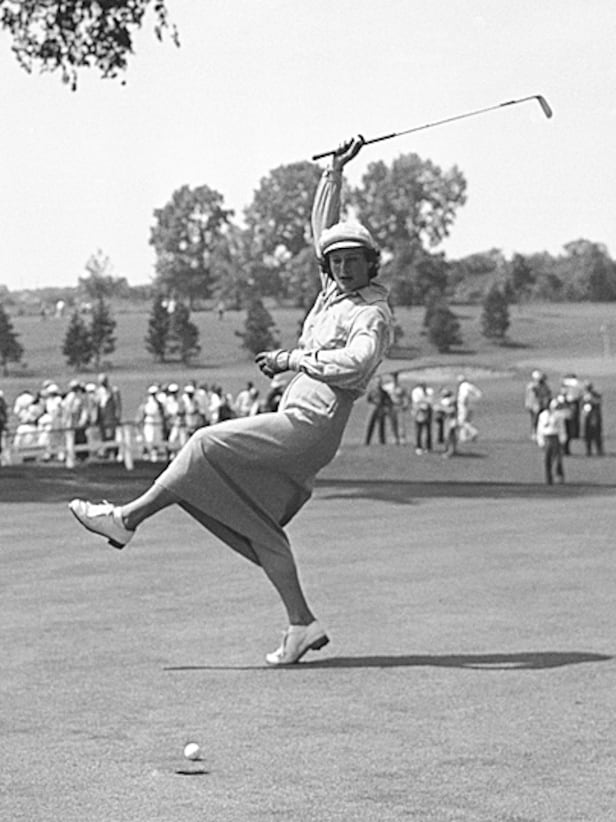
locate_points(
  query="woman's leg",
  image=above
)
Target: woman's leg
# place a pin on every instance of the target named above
(281, 570)
(151, 502)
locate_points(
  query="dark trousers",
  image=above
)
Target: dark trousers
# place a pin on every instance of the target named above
(423, 435)
(553, 459)
(377, 419)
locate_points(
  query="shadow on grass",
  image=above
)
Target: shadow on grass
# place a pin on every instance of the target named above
(406, 492)
(522, 661)
(56, 484)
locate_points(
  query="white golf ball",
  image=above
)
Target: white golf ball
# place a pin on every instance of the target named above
(192, 751)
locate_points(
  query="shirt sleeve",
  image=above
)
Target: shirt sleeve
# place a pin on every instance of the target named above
(351, 366)
(326, 204)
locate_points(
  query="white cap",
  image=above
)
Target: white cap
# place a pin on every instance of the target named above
(346, 234)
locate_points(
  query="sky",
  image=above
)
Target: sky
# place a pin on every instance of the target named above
(256, 85)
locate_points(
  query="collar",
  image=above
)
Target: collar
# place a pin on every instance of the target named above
(374, 292)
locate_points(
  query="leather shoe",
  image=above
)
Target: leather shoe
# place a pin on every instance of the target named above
(102, 518)
(296, 641)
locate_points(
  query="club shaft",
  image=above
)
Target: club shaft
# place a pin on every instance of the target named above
(541, 100)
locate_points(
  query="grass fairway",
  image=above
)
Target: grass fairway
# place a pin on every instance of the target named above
(471, 609)
(470, 674)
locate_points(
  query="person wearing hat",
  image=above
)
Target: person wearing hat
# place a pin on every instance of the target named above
(537, 398)
(152, 420)
(552, 436)
(245, 478)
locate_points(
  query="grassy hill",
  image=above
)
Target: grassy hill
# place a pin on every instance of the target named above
(558, 338)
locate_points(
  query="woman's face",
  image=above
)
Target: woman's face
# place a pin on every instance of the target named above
(349, 268)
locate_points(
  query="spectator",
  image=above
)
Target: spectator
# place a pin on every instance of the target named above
(571, 390)
(276, 390)
(50, 424)
(246, 401)
(192, 415)
(382, 411)
(536, 399)
(466, 396)
(108, 412)
(75, 417)
(422, 400)
(202, 398)
(152, 419)
(551, 436)
(27, 432)
(400, 405)
(4, 418)
(175, 416)
(592, 420)
(449, 416)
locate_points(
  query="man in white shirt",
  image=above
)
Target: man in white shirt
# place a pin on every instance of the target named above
(551, 436)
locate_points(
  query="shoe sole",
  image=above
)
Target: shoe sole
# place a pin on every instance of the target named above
(316, 645)
(112, 542)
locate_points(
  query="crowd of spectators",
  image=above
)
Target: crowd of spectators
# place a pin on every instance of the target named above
(86, 419)
(433, 421)
(429, 419)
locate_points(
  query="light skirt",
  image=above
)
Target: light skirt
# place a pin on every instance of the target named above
(244, 479)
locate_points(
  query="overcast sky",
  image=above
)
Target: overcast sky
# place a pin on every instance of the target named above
(256, 85)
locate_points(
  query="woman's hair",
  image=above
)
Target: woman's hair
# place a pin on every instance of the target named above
(373, 257)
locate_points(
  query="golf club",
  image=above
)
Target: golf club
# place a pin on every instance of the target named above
(540, 99)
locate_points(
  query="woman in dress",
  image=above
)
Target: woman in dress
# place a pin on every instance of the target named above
(245, 478)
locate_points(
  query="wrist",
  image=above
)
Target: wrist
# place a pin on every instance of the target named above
(295, 357)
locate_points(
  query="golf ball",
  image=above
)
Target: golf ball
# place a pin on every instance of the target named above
(192, 751)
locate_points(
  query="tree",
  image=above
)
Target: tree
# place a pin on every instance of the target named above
(77, 347)
(471, 277)
(412, 203)
(588, 273)
(100, 283)
(11, 350)
(259, 328)
(159, 326)
(495, 315)
(183, 338)
(187, 236)
(102, 328)
(278, 228)
(521, 278)
(443, 327)
(69, 35)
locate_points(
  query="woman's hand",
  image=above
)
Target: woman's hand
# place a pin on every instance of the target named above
(273, 362)
(346, 151)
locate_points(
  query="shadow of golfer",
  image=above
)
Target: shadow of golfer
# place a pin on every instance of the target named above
(523, 661)
(526, 660)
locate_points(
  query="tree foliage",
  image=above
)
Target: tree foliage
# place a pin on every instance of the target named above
(443, 326)
(11, 350)
(70, 35)
(77, 346)
(413, 202)
(100, 282)
(188, 237)
(159, 326)
(102, 331)
(183, 340)
(260, 333)
(278, 228)
(495, 315)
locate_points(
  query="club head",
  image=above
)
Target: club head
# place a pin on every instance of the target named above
(544, 105)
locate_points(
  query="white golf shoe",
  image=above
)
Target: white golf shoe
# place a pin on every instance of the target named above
(296, 641)
(102, 518)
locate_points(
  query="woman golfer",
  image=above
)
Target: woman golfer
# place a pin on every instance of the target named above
(244, 479)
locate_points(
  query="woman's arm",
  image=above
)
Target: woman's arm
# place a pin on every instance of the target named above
(326, 204)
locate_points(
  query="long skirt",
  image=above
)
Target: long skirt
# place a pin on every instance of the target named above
(245, 478)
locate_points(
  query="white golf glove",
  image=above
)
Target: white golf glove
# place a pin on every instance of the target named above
(273, 362)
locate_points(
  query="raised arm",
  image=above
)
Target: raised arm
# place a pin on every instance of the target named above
(326, 205)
